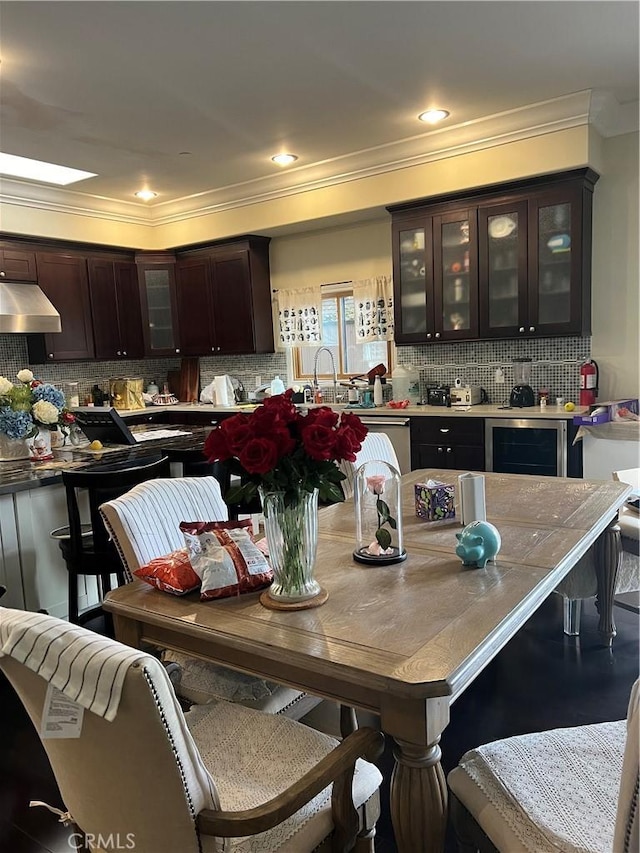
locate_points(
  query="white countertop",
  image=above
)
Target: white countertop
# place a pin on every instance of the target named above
(480, 411)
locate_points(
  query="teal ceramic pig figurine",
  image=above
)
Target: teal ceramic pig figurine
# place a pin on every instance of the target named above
(478, 543)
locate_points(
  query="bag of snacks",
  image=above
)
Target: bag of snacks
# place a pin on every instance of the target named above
(172, 573)
(225, 557)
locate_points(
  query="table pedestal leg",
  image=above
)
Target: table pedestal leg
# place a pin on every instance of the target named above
(608, 556)
(418, 798)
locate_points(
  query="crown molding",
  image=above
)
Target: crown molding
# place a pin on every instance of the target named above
(575, 110)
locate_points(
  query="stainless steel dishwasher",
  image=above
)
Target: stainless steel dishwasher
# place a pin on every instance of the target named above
(399, 433)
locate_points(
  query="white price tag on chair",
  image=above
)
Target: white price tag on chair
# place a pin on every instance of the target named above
(61, 716)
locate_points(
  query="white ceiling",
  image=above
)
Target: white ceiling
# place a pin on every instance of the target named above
(193, 98)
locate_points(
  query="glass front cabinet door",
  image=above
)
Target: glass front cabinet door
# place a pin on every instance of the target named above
(556, 264)
(413, 280)
(159, 308)
(455, 278)
(502, 258)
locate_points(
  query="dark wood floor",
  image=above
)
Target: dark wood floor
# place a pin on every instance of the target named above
(542, 679)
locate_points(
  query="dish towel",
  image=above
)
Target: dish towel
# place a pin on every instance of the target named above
(88, 668)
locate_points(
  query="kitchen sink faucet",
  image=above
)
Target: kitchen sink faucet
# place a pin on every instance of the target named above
(333, 366)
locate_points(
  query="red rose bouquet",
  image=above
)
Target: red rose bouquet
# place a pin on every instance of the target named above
(279, 449)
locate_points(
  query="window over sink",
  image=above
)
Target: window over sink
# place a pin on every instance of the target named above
(339, 336)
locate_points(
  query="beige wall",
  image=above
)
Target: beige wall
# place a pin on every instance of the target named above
(615, 301)
(332, 255)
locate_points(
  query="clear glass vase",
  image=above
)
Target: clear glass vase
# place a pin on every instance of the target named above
(292, 536)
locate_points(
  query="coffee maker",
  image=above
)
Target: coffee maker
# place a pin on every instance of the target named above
(522, 394)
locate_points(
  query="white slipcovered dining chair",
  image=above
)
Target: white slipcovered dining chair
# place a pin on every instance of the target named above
(581, 582)
(376, 447)
(145, 524)
(133, 767)
(559, 791)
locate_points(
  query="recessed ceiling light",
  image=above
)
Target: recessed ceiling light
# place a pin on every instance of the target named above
(146, 195)
(38, 170)
(433, 116)
(284, 159)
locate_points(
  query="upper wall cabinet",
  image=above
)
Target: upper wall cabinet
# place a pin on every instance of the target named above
(224, 298)
(159, 304)
(115, 308)
(17, 265)
(63, 278)
(501, 262)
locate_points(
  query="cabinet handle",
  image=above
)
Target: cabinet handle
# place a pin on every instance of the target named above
(521, 329)
(444, 430)
(532, 328)
(437, 334)
(448, 450)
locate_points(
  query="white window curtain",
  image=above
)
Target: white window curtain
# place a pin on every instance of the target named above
(373, 300)
(299, 317)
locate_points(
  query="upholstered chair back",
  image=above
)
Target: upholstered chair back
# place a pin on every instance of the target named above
(145, 523)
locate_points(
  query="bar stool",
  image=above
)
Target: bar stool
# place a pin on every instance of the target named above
(87, 550)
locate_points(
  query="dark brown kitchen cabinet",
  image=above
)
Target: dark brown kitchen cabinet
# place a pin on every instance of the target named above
(17, 265)
(503, 261)
(158, 302)
(115, 308)
(535, 262)
(63, 278)
(435, 275)
(224, 298)
(456, 443)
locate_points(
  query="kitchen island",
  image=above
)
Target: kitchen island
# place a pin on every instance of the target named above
(33, 503)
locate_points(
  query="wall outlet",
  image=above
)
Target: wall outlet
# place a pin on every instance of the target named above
(499, 376)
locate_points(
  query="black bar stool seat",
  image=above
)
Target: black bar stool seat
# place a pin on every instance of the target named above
(85, 546)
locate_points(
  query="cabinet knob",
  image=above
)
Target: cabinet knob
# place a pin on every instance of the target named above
(441, 450)
(532, 328)
(50, 355)
(2, 273)
(448, 450)
(437, 334)
(118, 352)
(429, 335)
(178, 350)
(123, 352)
(521, 329)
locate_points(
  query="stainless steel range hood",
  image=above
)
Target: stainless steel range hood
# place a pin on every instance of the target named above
(24, 308)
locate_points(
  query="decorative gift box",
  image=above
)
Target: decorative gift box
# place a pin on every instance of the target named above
(435, 501)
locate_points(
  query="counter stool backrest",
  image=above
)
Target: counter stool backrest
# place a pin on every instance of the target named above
(104, 483)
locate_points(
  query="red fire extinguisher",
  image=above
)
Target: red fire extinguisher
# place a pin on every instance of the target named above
(589, 375)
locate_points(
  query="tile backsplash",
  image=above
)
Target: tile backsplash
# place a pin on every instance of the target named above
(13, 357)
(555, 365)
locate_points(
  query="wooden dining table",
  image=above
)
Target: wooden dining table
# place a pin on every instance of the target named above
(402, 640)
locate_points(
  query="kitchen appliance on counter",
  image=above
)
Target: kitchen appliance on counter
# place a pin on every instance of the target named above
(467, 395)
(438, 395)
(522, 395)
